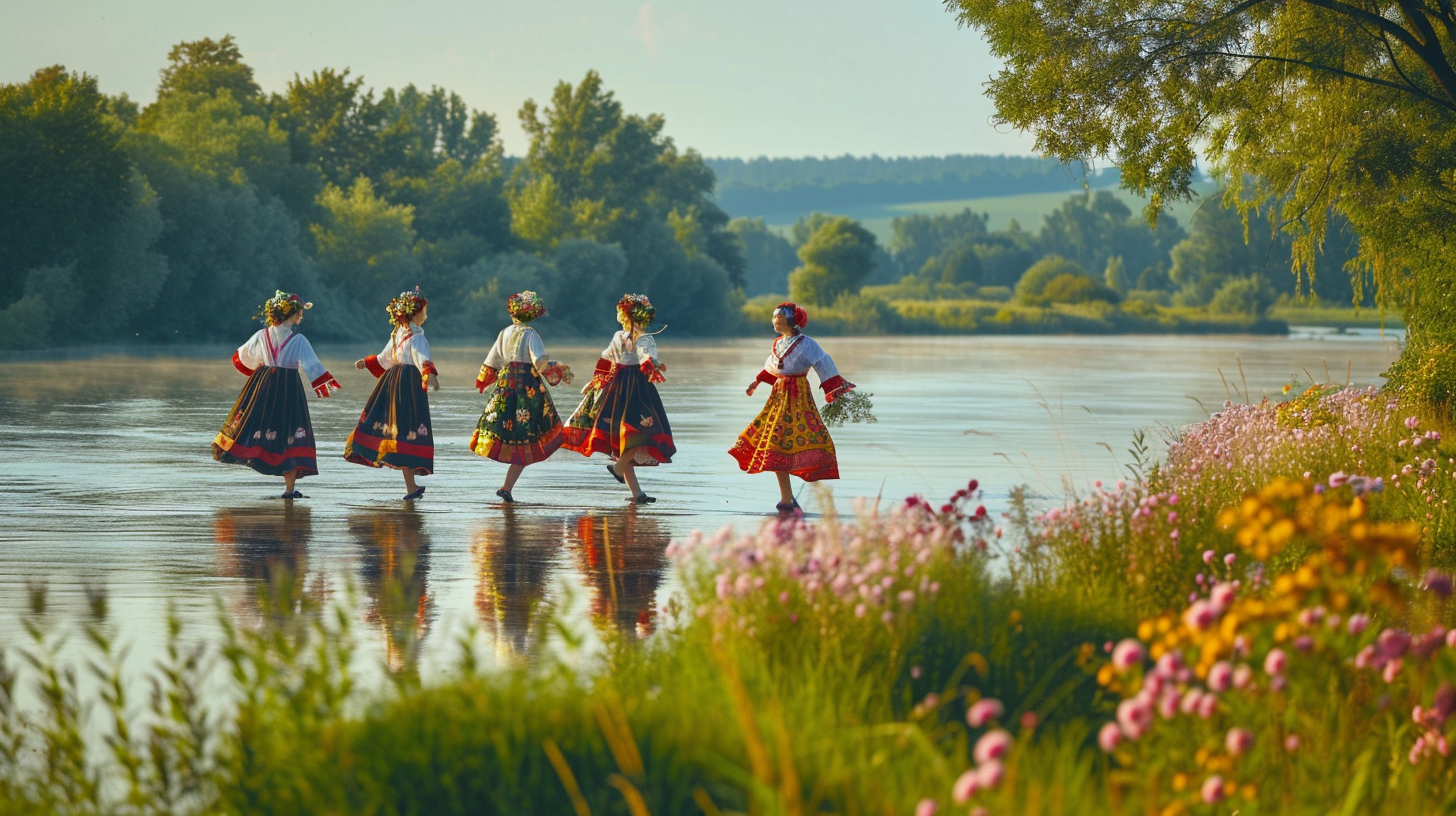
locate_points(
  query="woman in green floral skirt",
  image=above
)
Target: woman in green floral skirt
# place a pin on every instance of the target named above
(519, 426)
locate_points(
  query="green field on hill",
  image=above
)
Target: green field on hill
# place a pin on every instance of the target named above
(1028, 210)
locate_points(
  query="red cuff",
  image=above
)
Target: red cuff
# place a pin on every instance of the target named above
(653, 373)
(429, 368)
(603, 373)
(238, 364)
(486, 377)
(324, 384)
(372, 363)
(834, 387)
(765, 377)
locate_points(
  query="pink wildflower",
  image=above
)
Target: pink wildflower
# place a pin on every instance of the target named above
(1129, 653)
(1238, 741)
(983, 711)
(927, 807)
(1212, 791)
(1109, 737)
(991, 773)
(965, 786)
(991, 745)
(1221, 676)
(1291, 743)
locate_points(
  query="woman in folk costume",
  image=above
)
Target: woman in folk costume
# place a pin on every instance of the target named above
(519, 425)
(394, 430)
(788, 436)
(268, 428)
(622, 415)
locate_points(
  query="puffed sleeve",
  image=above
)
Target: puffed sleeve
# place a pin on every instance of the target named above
(383, 361)
(647, 353)
(249, 355)
(535, 348)
(313, 368)
(833, 385)
(419, 351)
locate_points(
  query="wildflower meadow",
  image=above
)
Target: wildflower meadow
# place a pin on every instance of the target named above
(1261, 622)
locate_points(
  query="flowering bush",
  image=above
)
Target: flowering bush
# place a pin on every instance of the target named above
(1281, 697)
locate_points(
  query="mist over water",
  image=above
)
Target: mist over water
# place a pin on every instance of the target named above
(110, 482)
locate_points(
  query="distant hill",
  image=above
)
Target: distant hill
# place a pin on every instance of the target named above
(774, 188)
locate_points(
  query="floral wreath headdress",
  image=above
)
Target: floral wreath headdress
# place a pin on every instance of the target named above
(525, 306)
(636, 308)
(280, 307)
(405, 306)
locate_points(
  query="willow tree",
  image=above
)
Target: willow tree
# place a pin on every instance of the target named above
(1304, 107)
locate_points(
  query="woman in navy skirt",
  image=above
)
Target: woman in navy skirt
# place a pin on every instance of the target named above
(268, 428)
(621, 414)
(394, 430)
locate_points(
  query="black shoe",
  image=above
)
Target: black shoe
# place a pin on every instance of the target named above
(786, 508)
(292, 495)
(417, 493)
(505, 496)
(615, 475)
(643, 498)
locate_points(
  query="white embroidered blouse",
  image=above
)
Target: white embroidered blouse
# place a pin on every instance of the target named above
(794, 355)
(282, 347)
(624, 352)
(516, 343)
(406, 346)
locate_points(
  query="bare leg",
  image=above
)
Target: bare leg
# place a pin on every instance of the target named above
(786, 492)
(409, 480)
(288, 479)
(512, 474)
(628, 470)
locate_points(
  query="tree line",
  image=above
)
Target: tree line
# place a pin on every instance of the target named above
(1093, 247)
(170, 222)
(766, 186)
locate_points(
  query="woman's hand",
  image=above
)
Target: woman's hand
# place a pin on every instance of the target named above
(752, 387)
(360, 364)
(435, 383)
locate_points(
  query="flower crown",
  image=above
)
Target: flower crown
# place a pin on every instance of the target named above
(525, 306)
(405, 306)
(636, 308)
(280, 307)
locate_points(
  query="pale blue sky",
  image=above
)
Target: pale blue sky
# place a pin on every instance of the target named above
(741, 78)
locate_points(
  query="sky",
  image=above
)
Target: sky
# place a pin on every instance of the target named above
(742, 78)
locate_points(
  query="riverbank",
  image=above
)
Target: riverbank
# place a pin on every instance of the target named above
(1218, 628)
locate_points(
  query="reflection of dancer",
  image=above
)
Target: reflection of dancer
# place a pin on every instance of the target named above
(788, 437)
(623, 555)
(394, 429)
(513, 561)
(267, 547)
(519, 425)
(394, 570)
(269, 429)
(621, 414)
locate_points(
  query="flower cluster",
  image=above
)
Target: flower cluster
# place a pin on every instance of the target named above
(280, 307)
(525, 306)
(637, 309)
(835, 575)
(404, 307)
(1241, 674)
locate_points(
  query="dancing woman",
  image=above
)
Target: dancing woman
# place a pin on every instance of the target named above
(788, 437)
(519, 425)
(269, 429)
(394, 429)
(621, 414)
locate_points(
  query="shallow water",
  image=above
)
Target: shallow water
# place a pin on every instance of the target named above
(110, 480)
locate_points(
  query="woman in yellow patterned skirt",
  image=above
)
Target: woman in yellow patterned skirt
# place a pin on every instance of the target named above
(788, 437)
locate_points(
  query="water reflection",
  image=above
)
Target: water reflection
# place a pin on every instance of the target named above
(623, 554)
(394, 573)
(266, 547)
(513, 557)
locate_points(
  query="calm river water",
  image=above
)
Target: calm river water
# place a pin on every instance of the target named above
(109, 480)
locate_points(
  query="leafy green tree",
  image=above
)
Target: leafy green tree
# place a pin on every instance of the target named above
(1092, 227)
(1115, 275)
(836, 259)
(428, 129)
(1244, 296)
(364, 244)
(1071, 288)
(205, 67)
(916, 239)
(336, 125)
(63, 173)
(768, 256)
(955, 265)
(596, 173)
(1221, 249)
(1032, 286)
(1306, 107)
